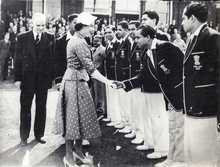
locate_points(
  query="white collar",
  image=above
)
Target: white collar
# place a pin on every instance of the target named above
(196, 33)
(124, 38)
(153, 46)
(35, 35)
(68, 35)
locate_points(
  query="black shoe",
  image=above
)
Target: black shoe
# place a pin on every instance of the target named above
(23, 143)
(41, 140)
(100, 110)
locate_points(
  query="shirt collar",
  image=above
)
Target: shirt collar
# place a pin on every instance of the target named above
(68, 35)
(124, 38)
(35, 35)
(153, 46)
(196, 33)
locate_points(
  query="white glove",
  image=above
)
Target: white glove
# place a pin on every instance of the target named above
(18, 84)
(97, 75)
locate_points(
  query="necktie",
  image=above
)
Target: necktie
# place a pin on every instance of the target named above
(37, 40)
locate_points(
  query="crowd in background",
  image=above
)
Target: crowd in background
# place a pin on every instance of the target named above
(18, 23)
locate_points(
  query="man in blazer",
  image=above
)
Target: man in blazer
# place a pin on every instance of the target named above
(201, 83)
(113, 113)
(164, 65)
(122, 73)
(137, 105)
(151, 18)
(34, 75)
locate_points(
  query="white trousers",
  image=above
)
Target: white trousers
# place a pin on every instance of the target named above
(112, 104)
(136, 118)
(124, 106)
(201, 144)
(156, 122)
(176, 135)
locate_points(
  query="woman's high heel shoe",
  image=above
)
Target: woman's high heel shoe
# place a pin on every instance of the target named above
(66, 163)
(83, 160)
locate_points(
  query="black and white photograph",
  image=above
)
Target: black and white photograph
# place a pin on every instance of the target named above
(109, 83)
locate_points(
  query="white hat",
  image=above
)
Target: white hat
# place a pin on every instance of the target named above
(86, 18)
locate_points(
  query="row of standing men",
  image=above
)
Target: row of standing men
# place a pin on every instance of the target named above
(141, 113)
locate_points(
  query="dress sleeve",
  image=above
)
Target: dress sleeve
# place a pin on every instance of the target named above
(84, 55)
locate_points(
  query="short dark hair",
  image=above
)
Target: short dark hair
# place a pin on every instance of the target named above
(71, 17)
(200, 11)
(79, 26)
(135, 22)
(123, 24)
(147, 30)
(152, 15)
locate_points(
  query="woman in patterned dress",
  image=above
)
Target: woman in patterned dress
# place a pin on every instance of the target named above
(75, 117)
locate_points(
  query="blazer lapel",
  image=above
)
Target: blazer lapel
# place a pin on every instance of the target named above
(133, 50)
(193, 44)
(31, 44)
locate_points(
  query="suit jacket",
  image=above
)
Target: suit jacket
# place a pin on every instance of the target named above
(98, 58)
(34, 71)
(60, 62)
(201, 71)
(4, 49)
(122, 60)
(135, 60)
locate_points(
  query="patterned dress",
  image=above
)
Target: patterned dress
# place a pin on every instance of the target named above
(75, 114)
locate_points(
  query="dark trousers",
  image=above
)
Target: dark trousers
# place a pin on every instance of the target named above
(98, 94)
(26, 99)
(4, 68)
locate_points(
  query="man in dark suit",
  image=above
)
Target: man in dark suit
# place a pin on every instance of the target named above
(60, 50)
(151, 18)
(201, 97)
(162, 66)
(4, 55)
(34, 75)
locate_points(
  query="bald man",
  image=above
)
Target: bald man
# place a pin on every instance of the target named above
(33, 76)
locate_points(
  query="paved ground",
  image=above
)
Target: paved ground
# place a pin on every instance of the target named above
(103, 150)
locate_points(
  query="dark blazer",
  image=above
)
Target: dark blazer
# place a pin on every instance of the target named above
(201, 71)
(60, 62)
(109, 60)
(135, 60)
(161, 35)
(166, 76)
(168, 71)
(34, 71)
(144, 79)
(122, 60)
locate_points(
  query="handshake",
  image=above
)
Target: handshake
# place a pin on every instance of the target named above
(117, 85)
